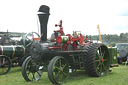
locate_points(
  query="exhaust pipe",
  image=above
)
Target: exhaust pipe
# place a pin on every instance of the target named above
(43, 15)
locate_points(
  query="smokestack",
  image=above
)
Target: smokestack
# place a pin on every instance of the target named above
(43, 15)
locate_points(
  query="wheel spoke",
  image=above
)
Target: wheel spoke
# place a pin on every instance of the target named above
(28, 38)
(100, 52)
(97, 60)
(60, 62)
(97, 54)
(57, 74)
(103, 54)
(56, 67)
(61, 75)
(29, 44)
(64, 73)
(6, 65)
(33, 76)
(98, 66)
(39, 74)
(3, 60)
(104, 67)
(64, 66)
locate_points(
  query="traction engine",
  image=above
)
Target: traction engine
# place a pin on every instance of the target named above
(63, 52)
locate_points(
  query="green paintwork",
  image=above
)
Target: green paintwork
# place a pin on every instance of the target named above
(102, 62)
(58, 70)
(65, 39)
(113, 54)
(13, 50)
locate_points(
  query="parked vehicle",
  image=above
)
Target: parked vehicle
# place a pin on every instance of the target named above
(122, 52)
(14, 49)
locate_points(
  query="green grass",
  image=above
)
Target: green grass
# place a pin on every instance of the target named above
(118, 76)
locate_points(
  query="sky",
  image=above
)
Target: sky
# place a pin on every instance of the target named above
(77, 15)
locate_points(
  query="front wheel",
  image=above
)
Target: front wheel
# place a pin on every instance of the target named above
(58, 70)
(31, 71)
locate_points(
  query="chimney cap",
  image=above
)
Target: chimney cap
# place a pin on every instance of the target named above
(44, 9)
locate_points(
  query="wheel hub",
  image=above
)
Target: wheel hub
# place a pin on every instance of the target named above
(34, 68)
(102, 60)
(61, 69)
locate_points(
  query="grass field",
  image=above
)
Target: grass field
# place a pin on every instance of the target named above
(118, 76)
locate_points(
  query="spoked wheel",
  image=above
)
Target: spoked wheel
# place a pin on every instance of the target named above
(31, 71)
(97, 60)
(29, 38)
(58, 70)
(5, 64)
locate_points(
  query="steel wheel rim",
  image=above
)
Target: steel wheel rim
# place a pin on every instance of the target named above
(31, 73)
(60, 70)
(102, 61)
(5, 65)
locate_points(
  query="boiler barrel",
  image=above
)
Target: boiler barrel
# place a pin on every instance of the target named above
(12, 50)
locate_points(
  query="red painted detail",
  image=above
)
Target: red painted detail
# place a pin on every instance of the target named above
(69, 36)
(102, 60)
(36, 39)
(58, 39)
(68, 42)
(61, 28)
(74, 40)
(65, 47)
(75, 45)
(54, 47)
(81, 39)
(86, 39)
(86, 43)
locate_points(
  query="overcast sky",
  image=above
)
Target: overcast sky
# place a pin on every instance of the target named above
(77, 15)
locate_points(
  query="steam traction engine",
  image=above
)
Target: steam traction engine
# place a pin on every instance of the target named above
(63, 52)
(12, 52)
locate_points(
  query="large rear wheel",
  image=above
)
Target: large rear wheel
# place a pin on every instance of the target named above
(58, 70)
(97, 60)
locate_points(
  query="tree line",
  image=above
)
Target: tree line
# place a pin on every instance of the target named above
(111, 40)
